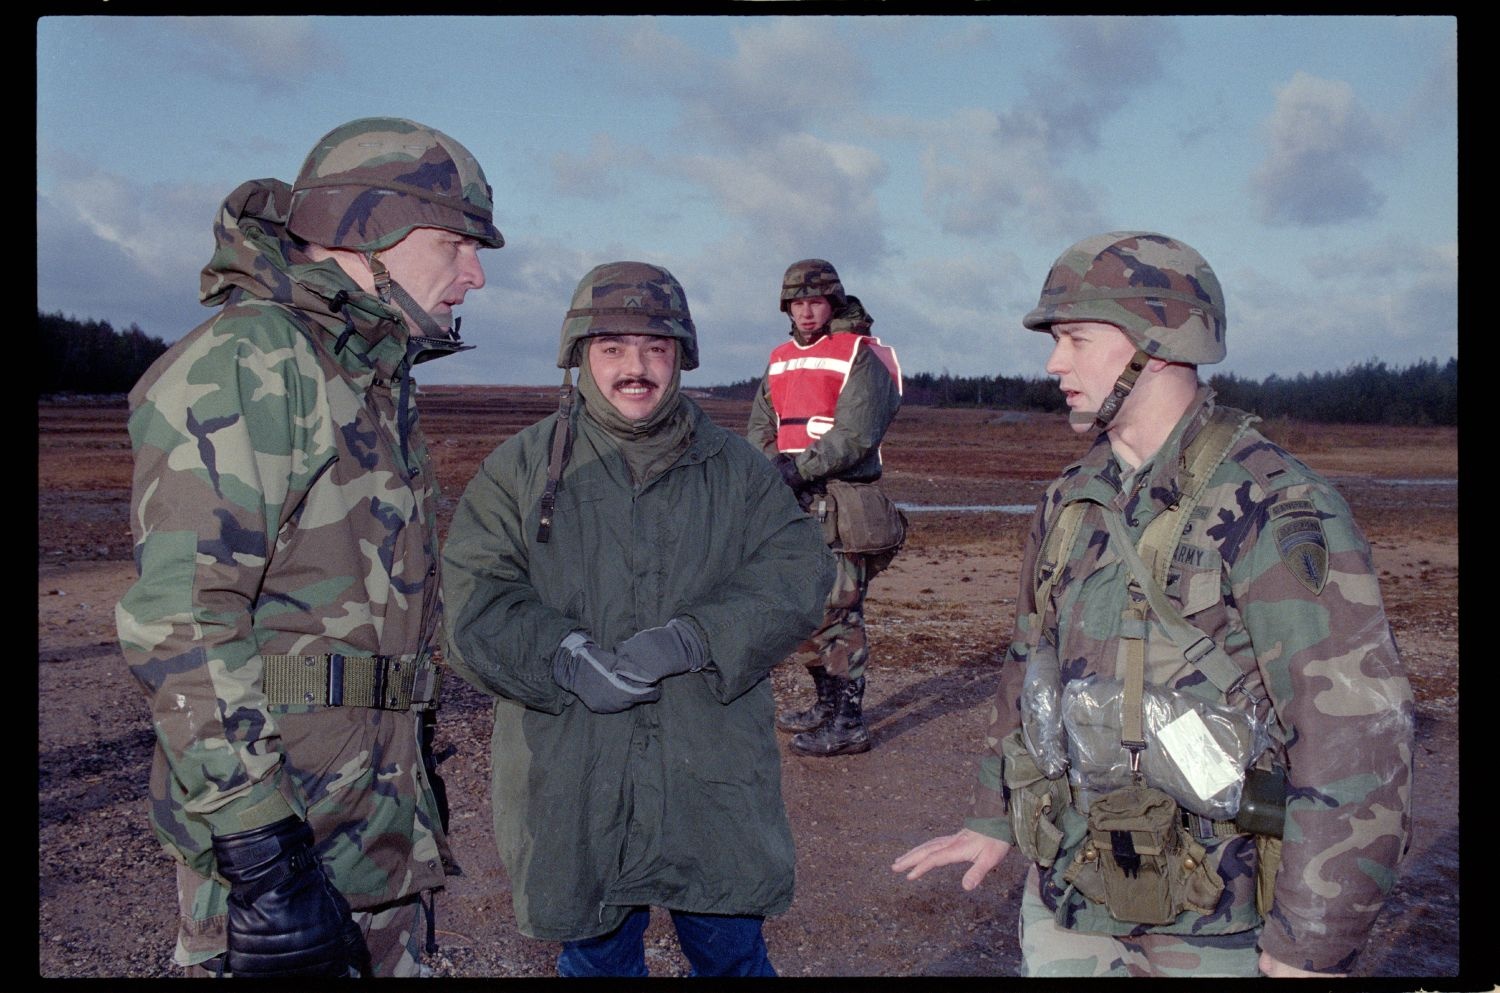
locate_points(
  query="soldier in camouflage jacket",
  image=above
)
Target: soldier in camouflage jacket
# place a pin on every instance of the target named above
(828, 396)
(1272, 568)
(288, 608)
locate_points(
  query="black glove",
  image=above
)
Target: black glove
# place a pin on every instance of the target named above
(655, 653)
(787, 464)
(285, 917)
(589, 671)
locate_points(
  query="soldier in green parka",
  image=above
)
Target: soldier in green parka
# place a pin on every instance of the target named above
(623, 575)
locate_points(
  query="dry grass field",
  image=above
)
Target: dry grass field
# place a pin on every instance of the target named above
(939, 620)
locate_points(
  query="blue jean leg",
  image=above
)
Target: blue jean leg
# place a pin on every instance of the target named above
(716, 945)
(622, 952)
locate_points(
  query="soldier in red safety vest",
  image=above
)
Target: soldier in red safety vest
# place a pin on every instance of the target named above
(826, 400)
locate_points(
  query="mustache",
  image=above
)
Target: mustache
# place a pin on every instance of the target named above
(635, 381)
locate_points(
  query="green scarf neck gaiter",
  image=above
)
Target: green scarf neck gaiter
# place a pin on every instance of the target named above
(649, 446)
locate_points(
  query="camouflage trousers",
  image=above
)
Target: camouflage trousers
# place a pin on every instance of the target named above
(393, 933)
(1048, 949)
(839, 644)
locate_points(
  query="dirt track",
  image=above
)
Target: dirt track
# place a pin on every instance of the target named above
(939, 619)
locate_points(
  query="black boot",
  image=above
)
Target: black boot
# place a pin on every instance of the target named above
(844, 733)
(806, 720)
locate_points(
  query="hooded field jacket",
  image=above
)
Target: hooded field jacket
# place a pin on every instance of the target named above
(282, 505)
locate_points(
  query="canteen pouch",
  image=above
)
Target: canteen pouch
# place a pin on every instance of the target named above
(862, 518)
(1140, 862)
(1034, 801)
(1263, 803)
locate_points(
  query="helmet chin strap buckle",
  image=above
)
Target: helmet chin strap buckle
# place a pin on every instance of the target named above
(1112, 403)
(434, 341)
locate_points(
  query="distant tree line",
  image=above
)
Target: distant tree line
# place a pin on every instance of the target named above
(1425, 393)
(90, 356)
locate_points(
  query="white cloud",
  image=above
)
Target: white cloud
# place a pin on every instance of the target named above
(1392, 302)
(983, 174)
(797, 194)
(597, 174)
(1102, 64)
(785, 75)
(1319, 139)
(985, 170)
(91, 278)
(259, 51)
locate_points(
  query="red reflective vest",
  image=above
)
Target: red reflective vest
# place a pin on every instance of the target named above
(805, 383)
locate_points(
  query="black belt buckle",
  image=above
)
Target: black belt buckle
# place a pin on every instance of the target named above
(1200, 826)
(335, 680)
(381, 661)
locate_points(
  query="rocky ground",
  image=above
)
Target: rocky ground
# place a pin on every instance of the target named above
(939, 620)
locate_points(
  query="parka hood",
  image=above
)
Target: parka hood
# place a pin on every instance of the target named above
(255, 257)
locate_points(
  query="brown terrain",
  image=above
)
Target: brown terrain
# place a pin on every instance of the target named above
(939, 620)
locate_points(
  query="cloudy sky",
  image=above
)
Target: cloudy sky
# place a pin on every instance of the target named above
(940, 162)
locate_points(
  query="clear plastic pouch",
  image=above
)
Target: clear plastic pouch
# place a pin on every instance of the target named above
(1197, 752)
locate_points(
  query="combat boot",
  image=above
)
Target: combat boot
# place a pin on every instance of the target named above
(820, 711)
(844, 733)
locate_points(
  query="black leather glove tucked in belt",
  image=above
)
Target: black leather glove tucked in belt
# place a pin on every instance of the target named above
(285, 917)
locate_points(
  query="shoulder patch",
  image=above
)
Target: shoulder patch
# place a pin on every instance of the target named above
(1303, 547)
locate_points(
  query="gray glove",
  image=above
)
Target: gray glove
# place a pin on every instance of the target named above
(589, 671)
(656, 653)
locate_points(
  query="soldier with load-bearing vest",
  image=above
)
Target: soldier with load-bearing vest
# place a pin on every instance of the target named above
(824, 404)
(1202, 736)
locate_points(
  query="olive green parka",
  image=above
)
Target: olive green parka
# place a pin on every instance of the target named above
(675, 803)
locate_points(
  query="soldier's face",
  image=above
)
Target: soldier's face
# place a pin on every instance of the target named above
(810, 313)
(1087, 357)
(633, 371)
(437, 267)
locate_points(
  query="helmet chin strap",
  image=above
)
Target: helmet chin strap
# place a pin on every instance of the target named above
(1101, 418)
(435, 341)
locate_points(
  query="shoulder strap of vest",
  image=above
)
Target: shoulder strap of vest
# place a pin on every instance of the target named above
(1057, 542)
(1200, 460)
(1159, 541)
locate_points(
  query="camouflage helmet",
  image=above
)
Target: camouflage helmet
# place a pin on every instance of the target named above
(367, 183)
(812, 278)
(628, 298)
(1156, 289)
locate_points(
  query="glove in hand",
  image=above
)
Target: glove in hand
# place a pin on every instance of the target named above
(587, 670)
(285, 918)
(787, 465)
(656, 653)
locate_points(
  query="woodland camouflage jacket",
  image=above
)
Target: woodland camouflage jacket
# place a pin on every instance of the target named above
(1322, 652)
(282, 505)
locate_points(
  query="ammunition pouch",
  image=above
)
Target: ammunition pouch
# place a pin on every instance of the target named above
(860, 517)
(381, 682)
(1035, 802)
(1140, 862)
